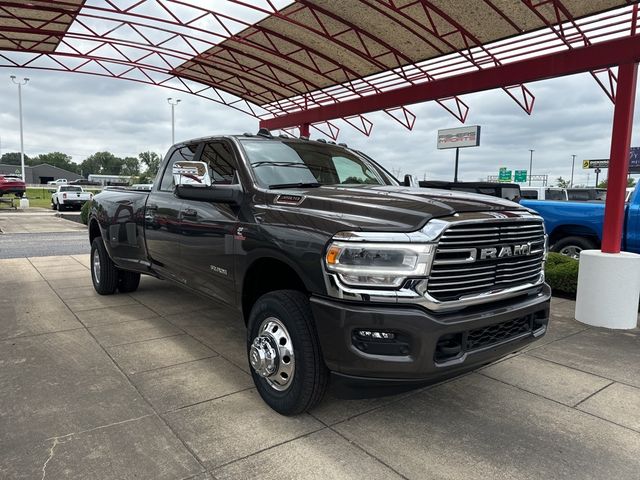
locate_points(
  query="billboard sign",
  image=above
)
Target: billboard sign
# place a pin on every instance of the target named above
(459, 137)
(601, 163)
(634, 160)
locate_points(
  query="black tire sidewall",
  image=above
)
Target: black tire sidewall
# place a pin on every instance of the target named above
(108, 273)
(297, 397)
(581, 242)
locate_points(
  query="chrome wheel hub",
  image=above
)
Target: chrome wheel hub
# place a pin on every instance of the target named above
(96, 266)
(271, 354)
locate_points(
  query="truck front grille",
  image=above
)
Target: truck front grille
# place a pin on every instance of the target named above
(459, 269)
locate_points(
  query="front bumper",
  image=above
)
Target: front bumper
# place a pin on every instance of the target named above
(429, 352)
(74, 202)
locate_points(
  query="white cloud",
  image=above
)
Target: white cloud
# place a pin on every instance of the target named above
(81, 114)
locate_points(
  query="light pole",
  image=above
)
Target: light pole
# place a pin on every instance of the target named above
(173, 104)
(20, 83)
(573, 164)
(530, 164)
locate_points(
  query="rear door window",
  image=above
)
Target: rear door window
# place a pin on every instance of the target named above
(551, 194)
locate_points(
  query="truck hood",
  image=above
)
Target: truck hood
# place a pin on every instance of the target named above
(385, 207)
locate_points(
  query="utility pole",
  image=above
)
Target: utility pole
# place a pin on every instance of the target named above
(20, 83)
(173, 104)
(530, 164)
(573, 164)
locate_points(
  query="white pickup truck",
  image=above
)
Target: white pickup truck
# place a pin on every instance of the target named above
(69, 196)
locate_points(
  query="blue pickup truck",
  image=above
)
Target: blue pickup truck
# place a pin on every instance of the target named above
(576, 226)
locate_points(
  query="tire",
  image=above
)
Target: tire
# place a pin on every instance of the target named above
(128, 281)
(19, 194)
(105, 277)
(572, 246)
(54, 206)
(305, 387)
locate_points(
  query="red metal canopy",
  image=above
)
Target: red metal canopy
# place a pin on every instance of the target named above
(286, 62)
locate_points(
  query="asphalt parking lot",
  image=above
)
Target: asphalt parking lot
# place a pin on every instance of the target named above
(155, 385)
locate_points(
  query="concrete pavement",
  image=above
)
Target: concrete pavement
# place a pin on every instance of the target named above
(155, 385)
(40, 233)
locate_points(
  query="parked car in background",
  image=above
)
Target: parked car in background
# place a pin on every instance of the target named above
(11, 184)
(576, 226)
(508, 191)
(544, 193)
(69, 196)
(59, 181)
(83, 181)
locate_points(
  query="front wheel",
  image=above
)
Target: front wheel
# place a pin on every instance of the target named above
(284, 352)
(573, 246)
(104, 273)
(54, 205)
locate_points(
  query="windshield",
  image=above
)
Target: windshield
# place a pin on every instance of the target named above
(70, 189)
(292, 162)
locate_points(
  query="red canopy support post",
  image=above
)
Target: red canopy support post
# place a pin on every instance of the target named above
(619, 158)
(305, 130)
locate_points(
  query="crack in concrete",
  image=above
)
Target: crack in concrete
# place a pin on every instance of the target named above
(56, 442)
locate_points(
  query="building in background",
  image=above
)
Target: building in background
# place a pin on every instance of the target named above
(106, 180)
(39, 174)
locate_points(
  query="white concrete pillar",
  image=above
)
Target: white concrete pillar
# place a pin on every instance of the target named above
(608, 289)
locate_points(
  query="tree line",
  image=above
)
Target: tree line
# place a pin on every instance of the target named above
(145, 165)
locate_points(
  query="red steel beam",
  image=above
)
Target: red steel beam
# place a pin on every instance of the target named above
(567, 62)
(619, 158)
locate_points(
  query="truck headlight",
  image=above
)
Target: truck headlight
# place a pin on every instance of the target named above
(363, 264)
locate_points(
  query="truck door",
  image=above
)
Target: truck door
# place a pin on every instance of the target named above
(162, 217)
(208, 229)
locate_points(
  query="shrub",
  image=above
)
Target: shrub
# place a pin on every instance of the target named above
(84, 213)
(562, 273)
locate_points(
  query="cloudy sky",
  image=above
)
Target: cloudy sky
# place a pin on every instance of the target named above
(81, 114)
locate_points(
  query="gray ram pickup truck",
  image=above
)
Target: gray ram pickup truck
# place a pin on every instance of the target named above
(339, 272)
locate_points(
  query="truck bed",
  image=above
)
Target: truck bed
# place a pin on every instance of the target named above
(121, 212)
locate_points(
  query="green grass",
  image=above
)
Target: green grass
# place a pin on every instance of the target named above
(39, 197)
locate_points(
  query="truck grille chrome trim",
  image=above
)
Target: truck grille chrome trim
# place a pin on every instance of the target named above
(507, 253)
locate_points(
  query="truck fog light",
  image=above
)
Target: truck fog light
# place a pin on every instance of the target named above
(375, 335)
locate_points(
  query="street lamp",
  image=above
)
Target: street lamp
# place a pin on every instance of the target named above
(530, 164)
(20, 83)
(173, 104)
(573, 164)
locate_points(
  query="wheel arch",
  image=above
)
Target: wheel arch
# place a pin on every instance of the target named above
(573, 230)
(267, 274)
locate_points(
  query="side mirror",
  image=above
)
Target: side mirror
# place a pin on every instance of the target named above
(410, 181)
(230, 194)
(191, 173)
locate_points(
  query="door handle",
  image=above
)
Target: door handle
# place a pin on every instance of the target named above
(189, 212)
(152, 207)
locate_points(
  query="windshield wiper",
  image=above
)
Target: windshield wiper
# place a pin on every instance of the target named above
(280, 164)
(296, 185)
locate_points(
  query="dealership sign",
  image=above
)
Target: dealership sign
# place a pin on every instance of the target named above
(459, 137)
(602, 163)
(634, 161)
